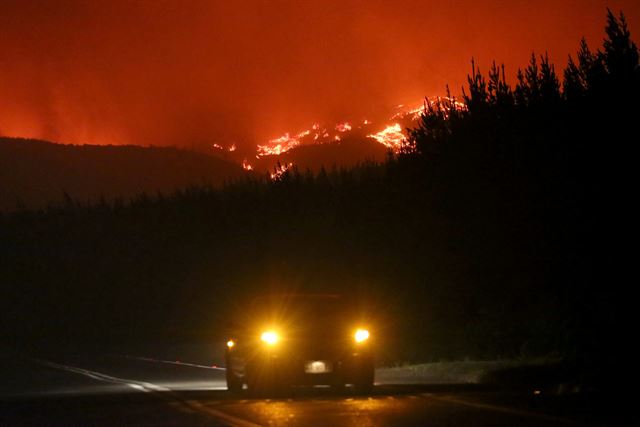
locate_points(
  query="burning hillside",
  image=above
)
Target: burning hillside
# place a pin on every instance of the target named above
(367, 140)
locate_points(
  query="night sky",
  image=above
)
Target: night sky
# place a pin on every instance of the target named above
(196, 73)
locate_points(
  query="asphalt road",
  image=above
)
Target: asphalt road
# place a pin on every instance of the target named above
(117, 390)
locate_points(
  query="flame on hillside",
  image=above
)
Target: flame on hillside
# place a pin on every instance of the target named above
(391, 137)
(230, 148)
(343, 127)
(391, 132)
(280, 170)
(414, 112)
(282, 144)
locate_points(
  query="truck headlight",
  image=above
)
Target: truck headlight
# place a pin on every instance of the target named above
(361, 335)
(270, 337)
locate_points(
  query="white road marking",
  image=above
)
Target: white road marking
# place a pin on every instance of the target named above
(138, 385)
(147, 387)
(170, 362)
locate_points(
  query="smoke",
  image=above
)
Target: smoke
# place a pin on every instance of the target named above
(197, 73)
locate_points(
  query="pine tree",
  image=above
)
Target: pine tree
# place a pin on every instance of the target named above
(500, 94)
(620, 54)
(477, 98)
(574, 84)
(549, 83)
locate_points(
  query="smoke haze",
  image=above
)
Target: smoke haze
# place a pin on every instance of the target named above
(195, 73)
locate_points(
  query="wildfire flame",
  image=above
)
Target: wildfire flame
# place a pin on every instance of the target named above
(416, 111)
(246, 165)
(343, 127)
(391, 137)
(278, 146)
(280, 170)
(231, 148)
(282, 144)
(413, 112)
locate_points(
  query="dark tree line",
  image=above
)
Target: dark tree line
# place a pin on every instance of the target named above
(487, 237)
(552, 161)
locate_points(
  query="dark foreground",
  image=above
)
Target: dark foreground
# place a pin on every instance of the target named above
(116, 390)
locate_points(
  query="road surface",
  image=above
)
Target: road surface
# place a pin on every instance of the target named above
(119, 390)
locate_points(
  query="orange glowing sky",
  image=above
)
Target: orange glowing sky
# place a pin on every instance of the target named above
(197, 73)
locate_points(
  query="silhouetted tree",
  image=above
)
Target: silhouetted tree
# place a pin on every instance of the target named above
(620, 54)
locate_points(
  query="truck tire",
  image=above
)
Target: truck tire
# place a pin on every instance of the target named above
(234, 383)
(363, 382)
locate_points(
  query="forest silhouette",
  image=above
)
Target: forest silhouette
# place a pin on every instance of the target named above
(488, 236)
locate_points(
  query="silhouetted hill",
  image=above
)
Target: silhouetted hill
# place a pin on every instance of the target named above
(34, 173)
